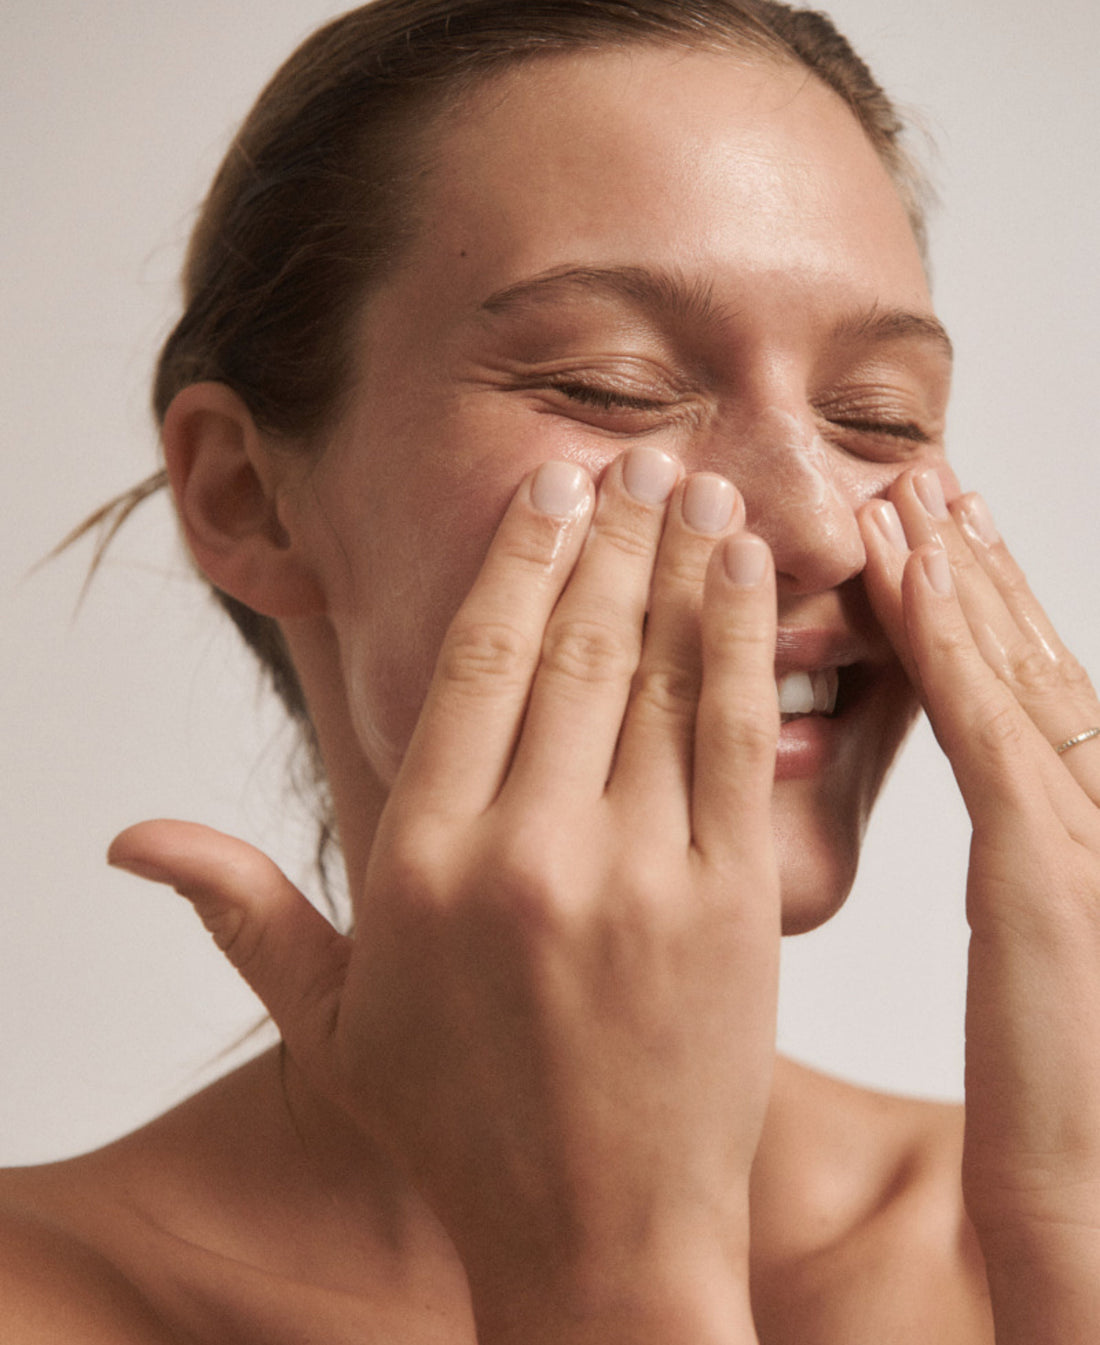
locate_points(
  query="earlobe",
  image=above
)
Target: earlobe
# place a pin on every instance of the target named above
(224, 480)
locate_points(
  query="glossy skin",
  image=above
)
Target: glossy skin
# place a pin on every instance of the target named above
(573, 847)
(786, 220)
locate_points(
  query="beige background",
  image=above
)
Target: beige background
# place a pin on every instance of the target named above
(114, 114)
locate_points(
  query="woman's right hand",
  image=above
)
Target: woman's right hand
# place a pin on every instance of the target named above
(558, 1009)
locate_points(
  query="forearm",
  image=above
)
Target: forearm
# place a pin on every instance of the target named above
(1046, 1289)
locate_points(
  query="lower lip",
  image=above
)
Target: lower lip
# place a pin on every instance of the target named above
(805, 746)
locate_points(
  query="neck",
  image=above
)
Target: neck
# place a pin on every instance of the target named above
(357, 792)
(370, 1231)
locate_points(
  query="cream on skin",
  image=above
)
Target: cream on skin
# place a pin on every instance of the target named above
(689, 250)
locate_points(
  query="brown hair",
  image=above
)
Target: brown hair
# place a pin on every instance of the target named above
(314, 198)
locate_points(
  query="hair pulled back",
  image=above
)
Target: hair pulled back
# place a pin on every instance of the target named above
(315, 196)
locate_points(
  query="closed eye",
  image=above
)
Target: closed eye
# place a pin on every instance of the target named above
(606, 399)
(897, 430)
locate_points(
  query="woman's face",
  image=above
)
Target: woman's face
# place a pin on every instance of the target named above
(696, 251)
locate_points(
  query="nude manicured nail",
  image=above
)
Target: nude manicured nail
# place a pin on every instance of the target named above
(938, 569)
(649, 475)
(559, 488)
(978, 520)
(708, 502)
(889, 524)
(746, 560)
(929, 491)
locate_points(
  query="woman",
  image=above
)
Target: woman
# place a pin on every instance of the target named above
(646, 361)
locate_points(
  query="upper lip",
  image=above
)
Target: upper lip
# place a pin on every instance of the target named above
(808, 649)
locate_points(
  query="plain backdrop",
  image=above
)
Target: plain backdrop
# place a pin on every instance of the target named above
(113, 1004)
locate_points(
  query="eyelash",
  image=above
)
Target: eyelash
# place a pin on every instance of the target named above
(907, 430)
(606, 399)
(610, 399)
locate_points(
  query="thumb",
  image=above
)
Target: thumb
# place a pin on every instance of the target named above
(285, 949)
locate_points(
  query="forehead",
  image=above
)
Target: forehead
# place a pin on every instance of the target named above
(717, 164)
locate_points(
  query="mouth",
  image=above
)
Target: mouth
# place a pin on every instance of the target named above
(823, 673)
(807, 693)
(842, 698)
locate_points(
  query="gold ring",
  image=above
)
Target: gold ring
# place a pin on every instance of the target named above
(1078, 738)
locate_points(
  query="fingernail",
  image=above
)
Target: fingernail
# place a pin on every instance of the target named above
(929, 490)
(937, 568)
(978, 520)
(708, 502)
(559, 488)
(889, 524)
(649, 474)
(746, 560)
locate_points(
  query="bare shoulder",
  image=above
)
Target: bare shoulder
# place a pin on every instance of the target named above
(55, 1286)
(855, 1152)
(86, 1251)
(869, 1239)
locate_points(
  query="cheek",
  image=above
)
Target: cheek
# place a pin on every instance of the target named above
(405, 550)
(408, 578)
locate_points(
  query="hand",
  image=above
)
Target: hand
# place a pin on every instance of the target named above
(559, 1007)
(1000, 689)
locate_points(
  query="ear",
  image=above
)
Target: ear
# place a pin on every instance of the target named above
(225, 480)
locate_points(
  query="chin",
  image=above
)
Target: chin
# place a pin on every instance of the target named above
(818, 858)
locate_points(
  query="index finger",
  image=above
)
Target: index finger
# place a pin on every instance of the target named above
(467, 729)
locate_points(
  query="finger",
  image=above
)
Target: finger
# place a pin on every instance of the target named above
(1007, 623)
(973, 516)
(285, 949)
(997, 753)
(887, 553)
(594, 637)
(467, 730)
(653, 767)
(925, 517)
(1052, 685)
(737, 723)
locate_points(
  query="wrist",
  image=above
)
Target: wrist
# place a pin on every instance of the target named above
(1044, 1284)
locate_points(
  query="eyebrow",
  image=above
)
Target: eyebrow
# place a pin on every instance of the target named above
(664, 292)
(893, 324)
(671, 295)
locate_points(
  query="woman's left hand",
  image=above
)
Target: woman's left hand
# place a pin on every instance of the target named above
(1002, 692)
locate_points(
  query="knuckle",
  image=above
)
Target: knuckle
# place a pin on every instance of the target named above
(410, 873)
(240, 939)
(532, 546)
(753, 736)
(671, 691)
(1036, 674)
(1016, 588)
(738, 637)
(418, 865)
(1075, 677)
(747, 730)
(965, 564)
(999, 731)
(632, 536)
(947, 643)
(585, 649)
(486, 653)
(527, 888)
(684, 564)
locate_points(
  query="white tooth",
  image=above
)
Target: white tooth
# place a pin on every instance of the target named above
(796, 694)
(826, 684)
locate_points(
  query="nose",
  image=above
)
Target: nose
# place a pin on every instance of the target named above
(798, 498)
